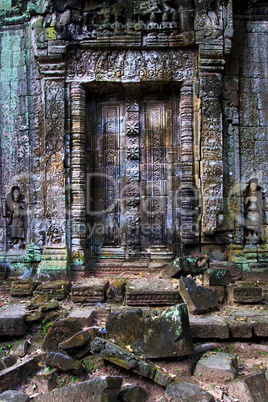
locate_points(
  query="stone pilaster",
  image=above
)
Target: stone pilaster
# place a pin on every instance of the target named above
(189, 199)
(78, 179)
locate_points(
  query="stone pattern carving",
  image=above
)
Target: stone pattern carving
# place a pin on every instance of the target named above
(131, 65)
(132, 201)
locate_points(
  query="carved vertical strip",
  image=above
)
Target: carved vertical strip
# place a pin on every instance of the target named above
(78, 179)
(188, 194)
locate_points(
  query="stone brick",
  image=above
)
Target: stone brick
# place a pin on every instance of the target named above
(12, 320)
(89, 290)
(244, 294)
(219, 366)
(217, 277)
(209, 326)
(14, 396)
(140, 292)
(183, 391)
(55, 289)
(253, 387)
(59, 332)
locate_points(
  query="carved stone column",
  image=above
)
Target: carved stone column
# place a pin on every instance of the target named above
(188, 194)
(78, 179)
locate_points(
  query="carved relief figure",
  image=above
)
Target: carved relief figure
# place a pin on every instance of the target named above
(253, 201)
(17, 218)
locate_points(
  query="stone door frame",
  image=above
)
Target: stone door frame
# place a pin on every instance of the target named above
(186, 213)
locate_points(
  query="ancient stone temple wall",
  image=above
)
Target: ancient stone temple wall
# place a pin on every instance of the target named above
(153, 112)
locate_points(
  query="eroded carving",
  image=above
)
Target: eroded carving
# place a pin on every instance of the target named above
(17, 217)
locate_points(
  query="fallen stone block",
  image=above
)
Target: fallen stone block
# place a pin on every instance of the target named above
(124, 358)
(155, 334)
(220, 366)
(183, 391)
(217, 277)
(180, 266)
(89, 290)
(250, 388)
(54, 290)
(46, 381)
(133, 393)
(151, 292)
(13, 396)
(94, 390)
(37, 301)
(23, 288)
(244, 294)
(63, 363)
(59, 331)
(49, 305)
(14, 376)
(34, 316)
(12, 320)
(84, 316)
(7, 361)
(199, 300)
(209, 326)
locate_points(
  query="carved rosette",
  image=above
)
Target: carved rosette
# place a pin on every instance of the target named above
(189, 199)
(78, 179)
(132, 172)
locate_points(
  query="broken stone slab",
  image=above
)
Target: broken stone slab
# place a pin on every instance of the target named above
(63, 363)
(12, 320)
(54, 290)
(46, 381)
(13, 396)
(155, 334)
(133, 393)
(151, 292)
(23, 288)
(199, 300)
(244, 294)
(76, 341)
(217, 277)
(94, 390)
(89, 290)
(183, 391)
(209, 326)
(220, 366)
(16, 374)
(59, 331)
(124, 358)
(19, 349)
(180, 266)
(84, 316)
(253, 387)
